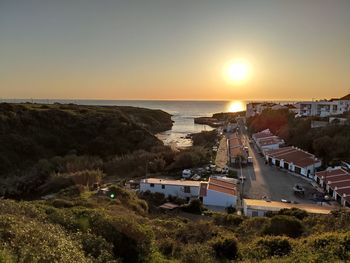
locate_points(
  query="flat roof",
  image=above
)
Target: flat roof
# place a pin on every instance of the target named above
(171, 182)
(276, 206)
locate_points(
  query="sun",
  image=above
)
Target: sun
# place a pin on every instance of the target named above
(236, 71)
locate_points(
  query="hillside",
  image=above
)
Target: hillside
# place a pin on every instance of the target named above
(87, 227)
(30, 132)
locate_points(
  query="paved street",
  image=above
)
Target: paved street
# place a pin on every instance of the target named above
(265, 180)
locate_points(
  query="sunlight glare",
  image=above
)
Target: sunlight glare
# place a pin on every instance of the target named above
(236, 71)
(235, 106)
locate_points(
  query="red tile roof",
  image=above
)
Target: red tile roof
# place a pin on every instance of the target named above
(331, 174)
(222, 186)
(263, 134)
(343, 191)
(293, 155)
(270, 141)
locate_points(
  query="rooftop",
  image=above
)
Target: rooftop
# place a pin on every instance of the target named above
(263, 134)
(222, 186)
(171, 182)
(276, 206)
(269, 141)
(330, 174)
(293, 155)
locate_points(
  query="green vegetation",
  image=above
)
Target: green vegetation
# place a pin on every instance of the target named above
(63, 152)
(330, 143)
(205, 138)
(123, 229)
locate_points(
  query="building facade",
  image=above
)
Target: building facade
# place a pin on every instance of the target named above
(294, 160)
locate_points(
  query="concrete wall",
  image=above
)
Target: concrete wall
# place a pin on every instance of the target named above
(215, 198)
(173, 190)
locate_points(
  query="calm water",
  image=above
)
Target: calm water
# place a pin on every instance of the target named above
(183, 114)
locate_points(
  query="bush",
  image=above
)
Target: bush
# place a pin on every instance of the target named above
(232, 174)
(196, 253)
(295, 212)
(225, 247)
(272, 246)
(284, 225)
(194, 207)
(5, 257)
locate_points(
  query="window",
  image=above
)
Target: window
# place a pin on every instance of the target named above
(255, 213)
(151, 185)
(163, 186)
(187, 189)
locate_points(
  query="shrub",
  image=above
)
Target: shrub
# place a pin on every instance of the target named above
(5, 257)
(272, 246)
(284, 225)
(232, 174)
(295, 212)
(196, 253)
(194, 207)
(225, 247)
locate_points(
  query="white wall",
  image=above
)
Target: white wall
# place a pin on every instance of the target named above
(219, 199)
(173, 190)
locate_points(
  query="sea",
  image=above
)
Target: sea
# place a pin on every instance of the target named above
(183, 114)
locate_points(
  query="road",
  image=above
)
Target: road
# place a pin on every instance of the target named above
(270, 181)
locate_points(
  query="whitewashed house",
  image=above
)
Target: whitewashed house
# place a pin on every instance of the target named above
(181, 188)
(219, 192)
(294, 159)
(336, 183)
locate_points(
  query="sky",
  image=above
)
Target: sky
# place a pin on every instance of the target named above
(176, 50)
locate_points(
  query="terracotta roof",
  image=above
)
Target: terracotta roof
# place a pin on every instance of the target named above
(293, 155)
(222, 186)
(343, 191)
(269, 141)
(260, 135)
(332, 173)
(234, 152)
(340, 184)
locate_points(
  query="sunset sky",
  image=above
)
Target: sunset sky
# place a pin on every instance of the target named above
(162, 49)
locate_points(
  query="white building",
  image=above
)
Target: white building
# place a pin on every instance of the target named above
(219, 192)
(254, 207)
(294, 159)
(181, 188)
(323, 108)
(336, 182)
(266, 140)
(235, 149)
(256, 108)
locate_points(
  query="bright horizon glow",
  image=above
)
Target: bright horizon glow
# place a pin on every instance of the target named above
(236, 72)
(175, 50)
(236, 106)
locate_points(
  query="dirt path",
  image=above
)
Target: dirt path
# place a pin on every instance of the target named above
(221, 156)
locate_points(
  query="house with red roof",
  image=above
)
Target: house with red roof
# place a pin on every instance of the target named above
(219, 192)
(294, 159)
(336, 182)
